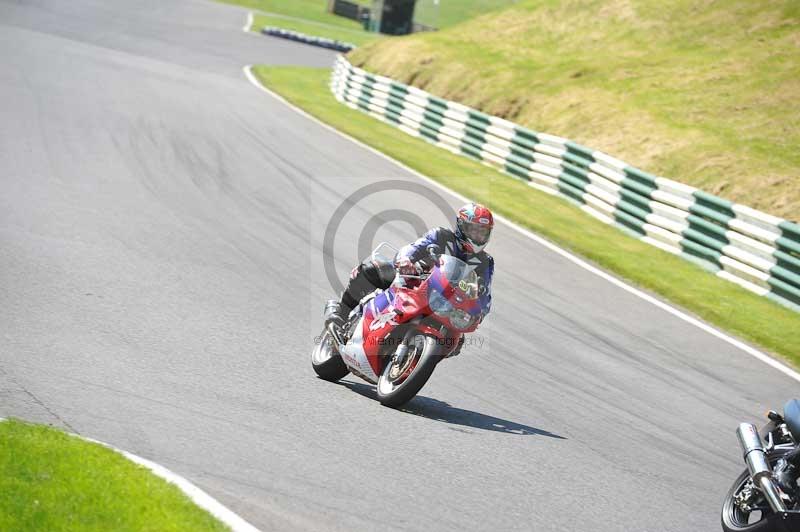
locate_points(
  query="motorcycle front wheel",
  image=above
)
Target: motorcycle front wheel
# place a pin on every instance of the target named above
(401, 380)
(327, 363)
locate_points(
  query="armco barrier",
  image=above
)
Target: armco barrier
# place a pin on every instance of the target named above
(308, 39)
(753, 249)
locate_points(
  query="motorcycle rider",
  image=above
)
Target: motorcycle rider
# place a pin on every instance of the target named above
(474, 224)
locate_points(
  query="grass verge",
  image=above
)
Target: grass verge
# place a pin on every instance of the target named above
(705, 93)
(52, 481)
(719, 302)
(311, 10)
(430, 12)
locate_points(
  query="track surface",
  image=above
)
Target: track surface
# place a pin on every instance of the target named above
(161, 226)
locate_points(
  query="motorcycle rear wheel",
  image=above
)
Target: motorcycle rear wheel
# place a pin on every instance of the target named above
(734, 519)
(398, 384)
(327, 363)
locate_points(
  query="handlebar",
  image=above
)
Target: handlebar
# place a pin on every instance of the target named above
(407, 276)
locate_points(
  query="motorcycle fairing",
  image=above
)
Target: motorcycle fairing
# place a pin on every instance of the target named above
(455, 294)
(409, 303)
(384, 311)
(377, 322)
(355, 357)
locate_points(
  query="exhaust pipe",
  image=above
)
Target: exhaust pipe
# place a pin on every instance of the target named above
(336, 335)
(756, 459)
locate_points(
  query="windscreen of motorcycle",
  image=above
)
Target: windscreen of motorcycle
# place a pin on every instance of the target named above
(460, 276)
(453, 292)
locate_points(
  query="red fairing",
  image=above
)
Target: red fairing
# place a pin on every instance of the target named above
(433, 331)
(384, 313)
(401, 304)
(448, 342)
(378, 323)
(410, 303)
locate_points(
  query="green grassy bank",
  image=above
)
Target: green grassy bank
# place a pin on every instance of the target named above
(706, 93)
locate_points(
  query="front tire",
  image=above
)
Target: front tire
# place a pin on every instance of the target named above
(397, 385)
(327, 363)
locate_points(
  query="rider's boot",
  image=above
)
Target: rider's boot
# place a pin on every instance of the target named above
(364, 279)
(336, 313)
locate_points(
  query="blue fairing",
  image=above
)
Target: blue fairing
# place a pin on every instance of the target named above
(383, 301)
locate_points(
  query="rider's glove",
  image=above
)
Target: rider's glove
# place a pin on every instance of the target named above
(426, 263)
(404, 266)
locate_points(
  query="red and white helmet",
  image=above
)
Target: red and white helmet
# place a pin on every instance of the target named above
(474, 226)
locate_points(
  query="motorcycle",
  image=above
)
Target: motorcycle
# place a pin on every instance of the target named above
(766, 496)
(396, 337)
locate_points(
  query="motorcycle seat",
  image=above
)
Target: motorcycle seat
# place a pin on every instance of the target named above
(791, 415)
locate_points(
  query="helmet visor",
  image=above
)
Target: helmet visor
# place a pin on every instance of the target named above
(477, 233)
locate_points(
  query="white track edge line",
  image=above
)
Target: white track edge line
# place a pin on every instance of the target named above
(249, 24)
(763, 357)
(197, 496)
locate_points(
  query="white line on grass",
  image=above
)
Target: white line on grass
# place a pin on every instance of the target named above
(249, 24)
(549, 245)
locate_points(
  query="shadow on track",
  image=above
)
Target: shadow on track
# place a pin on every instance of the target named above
(444, 412)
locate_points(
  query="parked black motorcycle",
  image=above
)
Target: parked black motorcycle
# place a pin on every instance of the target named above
(766, 496)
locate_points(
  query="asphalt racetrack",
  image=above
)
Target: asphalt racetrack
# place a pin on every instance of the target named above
(161, 282)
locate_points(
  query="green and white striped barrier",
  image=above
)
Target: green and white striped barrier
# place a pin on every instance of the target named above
(753, 249)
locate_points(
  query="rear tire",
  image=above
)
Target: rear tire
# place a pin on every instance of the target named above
(327, 363)
(395, 393)
(733, 519)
